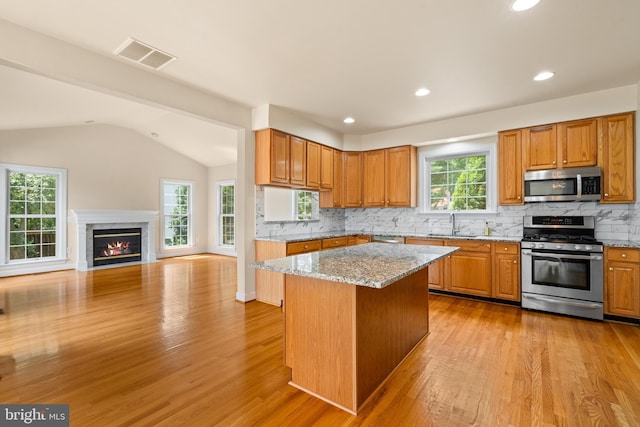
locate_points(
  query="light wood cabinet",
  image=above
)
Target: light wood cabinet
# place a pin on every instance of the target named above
(539, 148)
(468, 270)
(270, 284)
(617, 158)
(314, 165)
(622, 282)
(326, 167)
(335, 242)
(510, 178)
(352, 179)
(436, 270)
(390, 177)
(578, 143)
(561, 145)
(280, 159)
(334, 198)
(506, 269)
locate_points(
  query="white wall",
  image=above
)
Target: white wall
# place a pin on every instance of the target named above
(110, 168)
(591, 104)
(218, 174)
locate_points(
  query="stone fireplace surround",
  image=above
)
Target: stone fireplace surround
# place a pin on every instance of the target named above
(89, 220)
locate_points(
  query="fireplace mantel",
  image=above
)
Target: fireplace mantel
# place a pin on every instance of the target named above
(88, 219)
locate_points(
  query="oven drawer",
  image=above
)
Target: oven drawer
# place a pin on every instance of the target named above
(623, 254)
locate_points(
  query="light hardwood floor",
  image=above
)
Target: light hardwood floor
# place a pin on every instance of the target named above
(166, 344)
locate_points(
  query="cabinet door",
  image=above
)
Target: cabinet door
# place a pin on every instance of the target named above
(272, 157)
(539, 145)
(436, 270)
(400, 176)
(313, 165)
(469, 273)
(506, 283)
(352, 169)
(326, 167)
(578, 143)
(510, 178)
(616, 134)
(298, 161)
(622, 296)
(334, 197)
(374, 178)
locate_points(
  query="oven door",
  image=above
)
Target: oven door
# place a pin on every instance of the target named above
(573, 275)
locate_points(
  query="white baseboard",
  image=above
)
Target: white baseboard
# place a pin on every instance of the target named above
(245, 297)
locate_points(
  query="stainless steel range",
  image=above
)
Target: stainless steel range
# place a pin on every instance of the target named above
(562, 266)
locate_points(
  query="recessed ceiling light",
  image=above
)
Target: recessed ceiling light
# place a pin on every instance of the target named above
(349, 120)
(543, 76)
(423, 92)
(520, 5)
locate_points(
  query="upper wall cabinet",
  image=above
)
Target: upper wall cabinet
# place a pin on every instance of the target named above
(617, 160)
(390, 177)
(510, 185)
(562, 145)
(281, 159)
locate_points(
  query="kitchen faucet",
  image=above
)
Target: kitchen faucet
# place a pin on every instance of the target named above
(452, 220)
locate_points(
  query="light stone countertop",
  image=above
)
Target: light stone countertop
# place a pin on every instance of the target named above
(621, 243)
(375, 265)
(330, 234)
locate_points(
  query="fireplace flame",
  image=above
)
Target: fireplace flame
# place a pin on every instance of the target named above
(116, 248)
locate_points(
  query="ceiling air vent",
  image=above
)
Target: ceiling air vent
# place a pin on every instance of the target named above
(144, 54)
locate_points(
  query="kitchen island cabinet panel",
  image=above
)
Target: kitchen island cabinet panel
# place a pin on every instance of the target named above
(342, 341)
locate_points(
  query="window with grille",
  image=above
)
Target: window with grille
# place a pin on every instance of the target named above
(458, 183)
(304, 205)
(226, 214)
(177, 214)
(35, 208)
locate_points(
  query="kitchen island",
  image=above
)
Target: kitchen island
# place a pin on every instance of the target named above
(352, 315)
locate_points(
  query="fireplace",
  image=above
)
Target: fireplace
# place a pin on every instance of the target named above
(116, 245)
(99, 221)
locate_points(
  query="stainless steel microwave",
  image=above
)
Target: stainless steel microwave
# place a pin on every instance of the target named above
(562, 185)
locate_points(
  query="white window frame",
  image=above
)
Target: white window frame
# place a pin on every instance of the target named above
(487, 147)
(190, 204)
(219, 185)
(61, 214)
(296, 202)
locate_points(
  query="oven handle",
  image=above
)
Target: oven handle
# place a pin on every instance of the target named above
(573, 303)
(567, 256)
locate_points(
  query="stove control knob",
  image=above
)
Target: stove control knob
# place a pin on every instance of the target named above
(539, 245)
(588, 248)
(558, 246)
(578, 247)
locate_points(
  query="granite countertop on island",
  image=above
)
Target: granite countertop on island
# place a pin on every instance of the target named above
(374, 265)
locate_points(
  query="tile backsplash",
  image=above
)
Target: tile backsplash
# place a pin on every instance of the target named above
(613, 222)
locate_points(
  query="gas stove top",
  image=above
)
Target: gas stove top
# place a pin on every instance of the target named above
(565, 233)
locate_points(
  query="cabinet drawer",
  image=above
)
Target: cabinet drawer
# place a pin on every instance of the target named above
(303, 247)
(421, 241)
(623, 254)
(507, 248)
(470, 245)
(336, 242)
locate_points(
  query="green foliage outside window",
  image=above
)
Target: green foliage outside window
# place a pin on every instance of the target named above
(304, 205)
(177, 214)
(227, 214)
(459, 183)
(32, 215)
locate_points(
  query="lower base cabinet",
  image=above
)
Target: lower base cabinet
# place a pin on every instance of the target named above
(622, 282)
(270, 284)
(479, 268)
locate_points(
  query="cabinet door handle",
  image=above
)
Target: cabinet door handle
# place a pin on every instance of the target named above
(506, 249)
(306, 246)
(564, 161)
(624, 255)
(610, 268)
(519, 197)
(553, 163)
(515, 261)
(606, 194)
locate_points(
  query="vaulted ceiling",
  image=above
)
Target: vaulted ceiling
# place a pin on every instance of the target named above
(332, 59)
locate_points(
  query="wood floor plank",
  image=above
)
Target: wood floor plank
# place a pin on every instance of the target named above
(166, 344)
